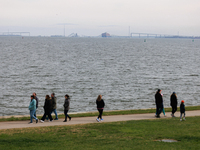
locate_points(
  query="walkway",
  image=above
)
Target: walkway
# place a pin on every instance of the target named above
(86, 120)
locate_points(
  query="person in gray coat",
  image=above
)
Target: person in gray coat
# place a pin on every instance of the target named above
(66, 107)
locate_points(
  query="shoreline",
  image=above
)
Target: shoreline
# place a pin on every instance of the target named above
(107, 112)
(76, 113)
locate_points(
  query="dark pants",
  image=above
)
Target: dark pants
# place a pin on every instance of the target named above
(66, 115)
(174, 109)
(159, 108)
(100, 113)
(45, 114)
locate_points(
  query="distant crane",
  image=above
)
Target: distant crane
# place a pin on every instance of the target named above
(73, 35)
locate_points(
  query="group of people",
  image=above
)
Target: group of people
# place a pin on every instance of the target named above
(173, 104)
(50, 106)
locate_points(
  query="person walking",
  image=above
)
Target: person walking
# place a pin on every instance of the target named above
(159, 103)
(182, 110)
(54, 101)
(173, 103)
(100, 106)
(32, 108)
(37, 101)
(47, 109)
(66, 107)
(162, 110)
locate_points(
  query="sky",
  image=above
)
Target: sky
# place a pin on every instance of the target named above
(93, 17)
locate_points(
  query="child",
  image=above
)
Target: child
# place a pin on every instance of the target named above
(182, 110)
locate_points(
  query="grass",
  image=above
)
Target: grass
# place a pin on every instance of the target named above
(106, 113)
(126, 135)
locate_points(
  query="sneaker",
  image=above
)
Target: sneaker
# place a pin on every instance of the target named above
(97, 119)
(50, 120)
(37, 121)
(101, 119)
(56, 119)
(157, 116)
(41, 121)
(30, 123)
(180, 119)
(65, 121)
(184, 119)
(70, 118)
(165, 116)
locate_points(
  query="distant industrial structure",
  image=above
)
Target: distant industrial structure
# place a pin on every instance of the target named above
(106, 34)
(73, 35)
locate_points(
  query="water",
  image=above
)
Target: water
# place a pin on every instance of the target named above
(127, 72)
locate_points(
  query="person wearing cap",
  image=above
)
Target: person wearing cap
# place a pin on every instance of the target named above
(53, 98)
(182, 110)
(159, 103)
(173, 103)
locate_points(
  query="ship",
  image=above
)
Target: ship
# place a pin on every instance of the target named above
(105, 34)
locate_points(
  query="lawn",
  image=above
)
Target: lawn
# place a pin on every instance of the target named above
(126, 135)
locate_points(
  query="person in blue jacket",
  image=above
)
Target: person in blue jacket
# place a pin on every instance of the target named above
(32, 108)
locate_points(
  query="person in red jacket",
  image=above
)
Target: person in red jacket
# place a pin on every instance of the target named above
(100, 106)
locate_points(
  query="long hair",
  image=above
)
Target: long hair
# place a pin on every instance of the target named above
(99, 98)
(158, 91)
(47, 97)
(174, 94)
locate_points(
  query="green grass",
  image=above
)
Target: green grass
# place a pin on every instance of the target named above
(127, 135)
(105, 113)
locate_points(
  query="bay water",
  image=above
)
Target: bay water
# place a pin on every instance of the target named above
(126, 71)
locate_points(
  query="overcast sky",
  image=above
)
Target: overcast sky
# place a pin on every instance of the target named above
(92, 17)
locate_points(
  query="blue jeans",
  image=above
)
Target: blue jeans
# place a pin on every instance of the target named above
(181, 115)
(54, 110)
(32, 112)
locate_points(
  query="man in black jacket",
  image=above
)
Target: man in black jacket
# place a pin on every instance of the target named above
(173, 103)
(158, 101)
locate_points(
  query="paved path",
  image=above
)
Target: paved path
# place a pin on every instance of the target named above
(86, 120)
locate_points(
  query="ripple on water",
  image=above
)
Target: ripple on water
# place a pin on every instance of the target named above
(127, 72)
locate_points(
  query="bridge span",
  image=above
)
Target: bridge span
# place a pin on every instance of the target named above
(138, 34)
